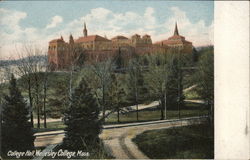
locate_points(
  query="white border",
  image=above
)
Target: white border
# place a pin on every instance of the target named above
(231, 37)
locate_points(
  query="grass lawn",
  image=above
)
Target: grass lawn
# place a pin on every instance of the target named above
(189, 142)
(190, 110)
(192, 95)
(51, 126)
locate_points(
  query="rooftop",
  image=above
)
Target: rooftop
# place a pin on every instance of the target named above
(91, 38)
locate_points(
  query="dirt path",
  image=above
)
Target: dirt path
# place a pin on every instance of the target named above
(118, 138)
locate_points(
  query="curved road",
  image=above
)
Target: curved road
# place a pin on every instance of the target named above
(118, 138)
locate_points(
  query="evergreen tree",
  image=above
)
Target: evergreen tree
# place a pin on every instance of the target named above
(81, 119)
(119, 60)
(58, 100)
(17, 133)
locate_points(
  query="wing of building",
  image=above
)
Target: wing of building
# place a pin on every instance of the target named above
(177, 42)
(62, 54)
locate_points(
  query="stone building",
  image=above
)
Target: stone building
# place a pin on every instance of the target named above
(93, 42)
(177, 42)
(120, 41)
(61, 54)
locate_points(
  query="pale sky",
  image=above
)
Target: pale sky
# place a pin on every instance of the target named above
(37, 22)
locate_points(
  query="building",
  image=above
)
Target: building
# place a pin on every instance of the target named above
(93, 42)
(177, 42)
(61, 54)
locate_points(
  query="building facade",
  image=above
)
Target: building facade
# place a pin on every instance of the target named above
(177, 42)
(62, 54)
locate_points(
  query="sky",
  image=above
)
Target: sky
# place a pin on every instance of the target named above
(38, 22)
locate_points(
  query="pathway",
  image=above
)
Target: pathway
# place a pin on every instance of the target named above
(118, 138)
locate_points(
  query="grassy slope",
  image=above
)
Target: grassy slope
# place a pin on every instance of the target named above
(191, 110)
(154, 115)
(189, 142)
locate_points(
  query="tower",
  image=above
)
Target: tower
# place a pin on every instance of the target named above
(176, 33)
(71, 40)
(85, 32)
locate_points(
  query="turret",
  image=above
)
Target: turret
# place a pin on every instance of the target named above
(85, 31)
(176, 33)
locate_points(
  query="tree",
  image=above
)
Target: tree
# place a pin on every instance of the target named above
(174, 87)
(45, 87)
(17, 133)
(81, 119)
(156, 80)
(119, 60)
(76, 57)
(102, 71)
(134, 77)
(205, 79)
(163, 81)
(58, 99)
(31, 63)
(116, 94)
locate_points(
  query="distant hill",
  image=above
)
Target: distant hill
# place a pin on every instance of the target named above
(41, 58)
(203, 47)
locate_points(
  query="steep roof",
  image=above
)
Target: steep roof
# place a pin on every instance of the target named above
(171, 41)
(176, 37)
(91, 39)
(56, 40)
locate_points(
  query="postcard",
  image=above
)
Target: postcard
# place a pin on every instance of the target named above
(114, 80)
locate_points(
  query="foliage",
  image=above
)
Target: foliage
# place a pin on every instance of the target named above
(116, 94)
(58, 100)
(174, 86)
(191, 110)
(189, 142)
(119, 60)
(137, 92)
(164, 80)
(205, 78)
(102, 72)
(81, 119)
(17, 132)
(135, 81)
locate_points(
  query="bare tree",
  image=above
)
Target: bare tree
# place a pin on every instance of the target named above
(103, 70)
(76, 58)
(45, 87)
(31, 63)
(157, 78)
(138, 92)
(92, 74)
